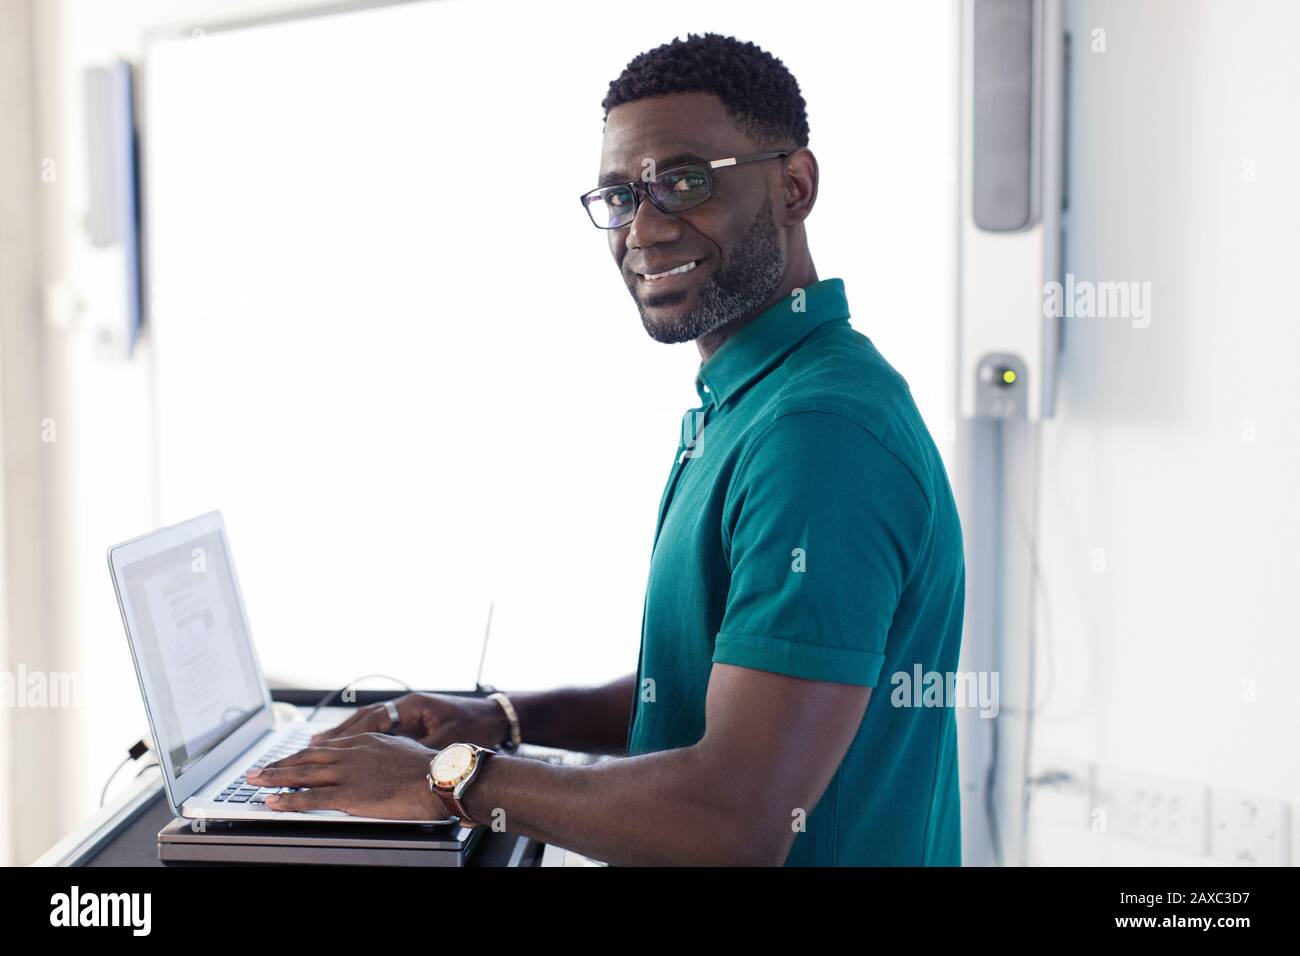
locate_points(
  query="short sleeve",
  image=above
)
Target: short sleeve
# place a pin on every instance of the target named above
(823, 525)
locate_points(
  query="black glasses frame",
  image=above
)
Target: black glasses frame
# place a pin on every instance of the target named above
(641, 189)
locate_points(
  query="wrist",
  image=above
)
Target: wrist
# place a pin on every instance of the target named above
(478, 799)
(454, 773)
(513, 737)
(493, 727)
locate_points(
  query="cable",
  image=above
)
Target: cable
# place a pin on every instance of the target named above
(482, 658)
(1032, 712)
(134, 752)
(990, 810)
(1038, 589)
(478, 682)
(349, 685)
(990, 776)
(103, 794)
(1029, 537)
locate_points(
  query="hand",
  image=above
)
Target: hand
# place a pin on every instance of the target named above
(370, 775)
(435, 720)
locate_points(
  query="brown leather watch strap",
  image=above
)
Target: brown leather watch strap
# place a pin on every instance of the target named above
(453, 804)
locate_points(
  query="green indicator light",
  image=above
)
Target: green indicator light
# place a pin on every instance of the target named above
(1008, 376)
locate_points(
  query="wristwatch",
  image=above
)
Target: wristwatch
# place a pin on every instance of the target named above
(451, 771)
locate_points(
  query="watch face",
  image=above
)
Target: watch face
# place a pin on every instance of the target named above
(451, 765)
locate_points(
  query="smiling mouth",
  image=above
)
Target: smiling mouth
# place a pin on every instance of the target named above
(679, 270)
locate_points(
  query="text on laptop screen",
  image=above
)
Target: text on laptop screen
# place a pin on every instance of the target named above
(198, 655)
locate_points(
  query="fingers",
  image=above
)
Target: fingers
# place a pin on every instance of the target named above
(326, 752)
(335, 730)
(324, 798)
(371, 718)
(302, 775)
(321, 754)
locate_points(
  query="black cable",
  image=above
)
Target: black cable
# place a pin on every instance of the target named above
(348, 686)
(134, 752)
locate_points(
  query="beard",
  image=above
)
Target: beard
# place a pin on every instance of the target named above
(735, 291)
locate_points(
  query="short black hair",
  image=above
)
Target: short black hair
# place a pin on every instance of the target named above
(760, 95)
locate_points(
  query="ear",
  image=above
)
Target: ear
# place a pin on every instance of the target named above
(800, 182)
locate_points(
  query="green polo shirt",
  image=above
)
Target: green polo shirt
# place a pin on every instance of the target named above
(808, 529)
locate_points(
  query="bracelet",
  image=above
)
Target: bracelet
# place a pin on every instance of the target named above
(515, 737)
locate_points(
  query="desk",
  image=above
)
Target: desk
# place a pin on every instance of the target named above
(125, 831)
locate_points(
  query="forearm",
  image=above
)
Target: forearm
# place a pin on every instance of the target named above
(669, 808)
(587, 719)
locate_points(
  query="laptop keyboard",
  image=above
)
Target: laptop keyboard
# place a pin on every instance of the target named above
(240, 791)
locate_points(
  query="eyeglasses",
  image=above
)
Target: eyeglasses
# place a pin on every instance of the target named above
(672, 191)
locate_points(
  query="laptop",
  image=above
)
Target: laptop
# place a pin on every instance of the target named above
(208, 705)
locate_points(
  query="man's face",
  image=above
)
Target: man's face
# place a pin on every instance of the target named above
(733, 240)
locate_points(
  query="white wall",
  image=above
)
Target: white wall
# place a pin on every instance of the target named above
(100, 467)
(20, 448)
(400, 363)
(873, 227)
(1176, 453)
(1145, 461)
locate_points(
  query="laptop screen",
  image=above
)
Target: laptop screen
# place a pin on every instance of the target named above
(189, 627)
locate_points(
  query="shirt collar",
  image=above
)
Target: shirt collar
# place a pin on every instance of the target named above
(767, 338)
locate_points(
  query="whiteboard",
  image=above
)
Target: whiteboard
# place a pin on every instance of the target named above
(391, 349)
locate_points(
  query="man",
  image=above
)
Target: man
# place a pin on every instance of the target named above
(807, 544)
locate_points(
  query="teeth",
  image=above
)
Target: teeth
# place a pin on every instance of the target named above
(672, 272)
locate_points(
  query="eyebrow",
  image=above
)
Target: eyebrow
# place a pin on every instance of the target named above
(617, 178)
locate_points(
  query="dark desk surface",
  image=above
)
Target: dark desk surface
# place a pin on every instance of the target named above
(130, 837)
(137, 843)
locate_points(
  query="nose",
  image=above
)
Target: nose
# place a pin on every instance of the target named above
(651, 227)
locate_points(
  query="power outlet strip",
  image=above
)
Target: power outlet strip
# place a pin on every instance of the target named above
(1170, 814)
(1230, 826)
(1249, 830)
